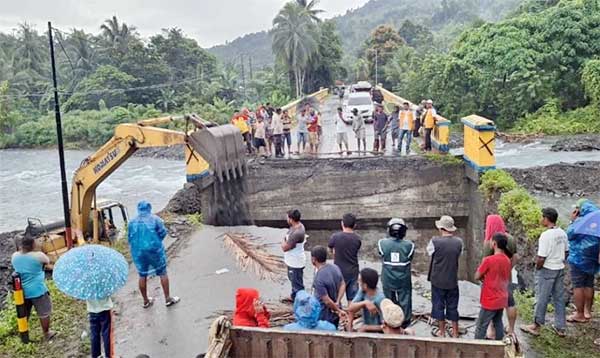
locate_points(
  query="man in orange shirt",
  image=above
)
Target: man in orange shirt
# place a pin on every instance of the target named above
(428, 121)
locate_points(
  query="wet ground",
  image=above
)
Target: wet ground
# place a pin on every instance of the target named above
(181, 330)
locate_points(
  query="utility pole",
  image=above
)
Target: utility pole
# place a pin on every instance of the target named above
(250, 66)
(61, 150)
(376, 67)
(243, 75)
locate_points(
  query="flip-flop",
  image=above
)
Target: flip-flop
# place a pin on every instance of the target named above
(435, 332)
(531, 331)
(149, 303)
(559, 332)
(572, 319)
(597, 342)
(51, 335)
(172, 301)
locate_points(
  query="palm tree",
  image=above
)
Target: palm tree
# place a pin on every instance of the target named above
(82, 51)
(295, 40)
(309, 7)
(167, 99)
(30, 52)
(118, 35)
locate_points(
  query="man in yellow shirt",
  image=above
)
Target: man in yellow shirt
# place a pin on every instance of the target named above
(241, 122)
(406, 124)
(428, 121)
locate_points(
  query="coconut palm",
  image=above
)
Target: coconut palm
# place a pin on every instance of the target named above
(295, 41)
(167, 99)
(30, 52)
(309, 7)
(118, 35)
(83, 53)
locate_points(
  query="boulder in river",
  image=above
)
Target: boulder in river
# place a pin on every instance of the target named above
(577, 143)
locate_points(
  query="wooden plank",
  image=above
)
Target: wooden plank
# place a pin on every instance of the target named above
(387, 349)
(301, 345)
(280, 347)
(343, 348)
(258, 345)
(363, 347)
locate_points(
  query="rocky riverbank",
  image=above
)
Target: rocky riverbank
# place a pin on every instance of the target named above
(7, 247)
(579, 143)
(563, 179)
(175, 152)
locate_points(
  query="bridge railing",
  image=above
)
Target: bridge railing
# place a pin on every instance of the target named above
(291, 107)
(440, 137)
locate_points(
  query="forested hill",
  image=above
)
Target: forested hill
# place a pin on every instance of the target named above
(445, 18)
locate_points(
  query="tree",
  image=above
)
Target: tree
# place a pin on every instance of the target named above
(117, 35)
(107, 83)
(325, 66)
(295, 41)
(415, 35)
(309, 7)
(591, 80)
(167, 99)
(381, 46)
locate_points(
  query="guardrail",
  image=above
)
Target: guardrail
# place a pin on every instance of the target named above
(440, 137)
(259, 342)
(291, 107)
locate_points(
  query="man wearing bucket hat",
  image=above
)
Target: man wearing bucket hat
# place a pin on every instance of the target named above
(445, 251)
(397, 254)
(393, 318)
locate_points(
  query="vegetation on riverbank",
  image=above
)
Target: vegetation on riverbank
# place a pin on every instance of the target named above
(519, 209)
(69, 320)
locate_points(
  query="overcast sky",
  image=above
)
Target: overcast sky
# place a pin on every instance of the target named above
(211, 22)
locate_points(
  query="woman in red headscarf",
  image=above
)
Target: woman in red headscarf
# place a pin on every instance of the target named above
(493, 224)
(249, 310)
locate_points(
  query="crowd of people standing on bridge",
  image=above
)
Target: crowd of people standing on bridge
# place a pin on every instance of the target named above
(387, 308)
(267, 131)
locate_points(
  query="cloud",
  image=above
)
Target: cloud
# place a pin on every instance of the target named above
(209, 22)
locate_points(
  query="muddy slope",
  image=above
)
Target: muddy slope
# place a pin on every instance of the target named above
(564, 179)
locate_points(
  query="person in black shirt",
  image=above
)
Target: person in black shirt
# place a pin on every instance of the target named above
(345, 246)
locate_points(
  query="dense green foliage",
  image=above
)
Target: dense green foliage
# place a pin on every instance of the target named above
(551, 120)
(508, 70)
(519, 209)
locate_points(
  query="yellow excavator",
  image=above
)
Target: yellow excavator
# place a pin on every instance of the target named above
(210, 149)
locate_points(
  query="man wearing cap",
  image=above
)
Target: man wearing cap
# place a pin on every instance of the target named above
(583, 234)
(358, 126)
(445, 251)
(428, 121)
(406, 124)
(380, 124)
(397, 255)
(393, 319)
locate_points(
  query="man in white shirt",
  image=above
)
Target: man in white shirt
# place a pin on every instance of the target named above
(341, 131)
(553, 248)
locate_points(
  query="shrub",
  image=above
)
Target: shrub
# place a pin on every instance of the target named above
(520, 209)
(493, 181)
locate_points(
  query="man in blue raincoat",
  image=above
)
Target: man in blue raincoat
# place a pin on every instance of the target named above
(146, 233)
(584, 248)
(307, 310)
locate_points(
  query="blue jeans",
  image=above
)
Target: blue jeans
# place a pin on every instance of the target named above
(296, 276)
(549, 283)
(351, 288)
(101, 333)
(408, 134)
(483, 321)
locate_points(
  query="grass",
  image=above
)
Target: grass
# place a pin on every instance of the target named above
(69, 320)
(195, 220)
(579, 339)
(446, 159)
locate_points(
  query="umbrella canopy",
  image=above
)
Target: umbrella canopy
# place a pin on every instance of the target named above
(90, 272)
(589, 222)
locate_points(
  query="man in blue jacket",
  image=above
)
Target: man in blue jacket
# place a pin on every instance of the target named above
(584, 248)
(146, 233)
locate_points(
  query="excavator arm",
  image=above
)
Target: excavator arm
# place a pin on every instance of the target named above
(131, 136)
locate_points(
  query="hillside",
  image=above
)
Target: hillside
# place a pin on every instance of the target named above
(443, 17)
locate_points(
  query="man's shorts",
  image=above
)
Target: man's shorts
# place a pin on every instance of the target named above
(313, 138)
(259, 142)
(581, 279)
(42, 304)
(444, 304)
(511, 294)
(302, 137)
(342, 138)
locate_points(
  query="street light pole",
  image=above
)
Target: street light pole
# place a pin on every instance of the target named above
(376, 67)
(61, 150)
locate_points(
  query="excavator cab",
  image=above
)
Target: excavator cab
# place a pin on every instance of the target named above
(105, 228)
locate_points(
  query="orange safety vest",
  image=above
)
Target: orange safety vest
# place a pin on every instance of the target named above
(429, 119)
(406, 116)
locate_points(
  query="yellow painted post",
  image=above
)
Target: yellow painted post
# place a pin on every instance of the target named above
(196, 167)
(480, 142)
(19, 297)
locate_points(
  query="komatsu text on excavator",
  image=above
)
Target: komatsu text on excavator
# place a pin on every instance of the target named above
(210, 149)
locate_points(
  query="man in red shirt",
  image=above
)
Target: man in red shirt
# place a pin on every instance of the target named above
(494, 272)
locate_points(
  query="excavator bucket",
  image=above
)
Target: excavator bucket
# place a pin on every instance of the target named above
(223, 148)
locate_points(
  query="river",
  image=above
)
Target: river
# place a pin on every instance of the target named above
(30, 180)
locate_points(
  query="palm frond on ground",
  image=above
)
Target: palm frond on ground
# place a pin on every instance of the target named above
(252, 255)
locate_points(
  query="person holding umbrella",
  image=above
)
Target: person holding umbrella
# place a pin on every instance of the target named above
(93, 273)
(146, 233)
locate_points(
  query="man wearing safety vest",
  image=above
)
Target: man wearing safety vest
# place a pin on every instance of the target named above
(406, 124)
(241, 122)
(428, 120)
